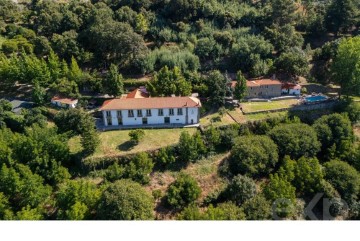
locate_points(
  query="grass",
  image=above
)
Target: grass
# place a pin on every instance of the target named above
(118, 142)
(262, 116)
(258, 106)
(225, 120)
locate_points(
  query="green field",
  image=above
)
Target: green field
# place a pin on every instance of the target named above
(258, 106)
(208, 120)
(118, 142)
(262, 116)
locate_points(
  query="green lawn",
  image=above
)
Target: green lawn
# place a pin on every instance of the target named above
(208, 120)
(118, 142)
(262, 116)
(249, 107)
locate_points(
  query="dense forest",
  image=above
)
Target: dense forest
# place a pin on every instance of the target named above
(273, 168)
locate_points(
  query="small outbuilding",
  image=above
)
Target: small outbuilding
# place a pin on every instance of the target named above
(64, 102)
(291, 89)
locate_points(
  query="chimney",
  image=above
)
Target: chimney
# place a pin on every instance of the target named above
(273, 77)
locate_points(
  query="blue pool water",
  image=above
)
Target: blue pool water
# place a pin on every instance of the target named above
(315, 98)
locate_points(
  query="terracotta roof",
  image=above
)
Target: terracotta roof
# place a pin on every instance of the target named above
(150, 103)
(291, 86)
(260, 82)
(138, 93)
(64, 100)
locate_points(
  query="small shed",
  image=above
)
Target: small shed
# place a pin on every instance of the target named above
(64, 102)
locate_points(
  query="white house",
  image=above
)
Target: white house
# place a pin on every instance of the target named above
(64, 102)
(151, 111)
(291, 89)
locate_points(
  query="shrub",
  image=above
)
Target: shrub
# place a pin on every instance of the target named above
(185, 190)
(241, 189)
(125, 200)
(136, 136)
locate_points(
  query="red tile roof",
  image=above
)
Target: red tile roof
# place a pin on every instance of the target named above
(291, 86)
(138, 93)
(64, 100)
(260, 82)
(150, 103)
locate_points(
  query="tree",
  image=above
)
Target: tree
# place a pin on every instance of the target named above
(212, 138)
(224, 211)
(136, 136)
(113, 83)
(282, 11)
(341, 15)
(190, 148)
(241, 189)
(168, 82)
(185, 190)
(257, 208)
(39, 94)
(165, 156)
(295, 140)
(22, 187)
(216, 87)
(293, 63)
(240, 87)
(344, 178)
(281, 191)
(345, 68)
(334, 131)
(139, 168)
(253, 155)
(44, 151)
(75, 72)
(125, 200)
(89, 141)
(306, 174)
(76, 200)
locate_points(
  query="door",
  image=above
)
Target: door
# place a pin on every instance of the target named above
(167, 120)
(144, 121)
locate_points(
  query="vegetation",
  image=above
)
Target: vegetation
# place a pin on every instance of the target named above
(78, 49)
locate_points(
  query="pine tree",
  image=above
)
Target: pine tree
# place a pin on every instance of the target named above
(113, 83)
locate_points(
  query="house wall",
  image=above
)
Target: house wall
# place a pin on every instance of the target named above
(264, 91)
(294, 92)
(189, 115)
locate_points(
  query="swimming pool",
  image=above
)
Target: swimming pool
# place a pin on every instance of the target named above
(315, 98)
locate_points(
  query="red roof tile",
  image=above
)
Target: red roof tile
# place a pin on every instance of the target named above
(64, 100)
(150, 103)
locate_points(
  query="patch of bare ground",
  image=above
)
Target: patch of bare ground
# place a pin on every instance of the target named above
(205, 171)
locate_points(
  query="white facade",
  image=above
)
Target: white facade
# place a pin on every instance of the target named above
(64, 105)
(294, 91)
(181, 116)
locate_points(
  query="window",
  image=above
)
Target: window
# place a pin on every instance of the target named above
(130, 113)
(171, 111)
(119, 113)
(161, 112)
(139, 113)
(179, 111)
(108, 113)
(148, 112)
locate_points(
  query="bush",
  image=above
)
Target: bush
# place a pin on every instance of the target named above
(125, 200)
(257, 208)
(344, 178)
(241, 189)
(185, 190)
(253, 155)
(139, 168)
(136, 136)
(165, 156)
